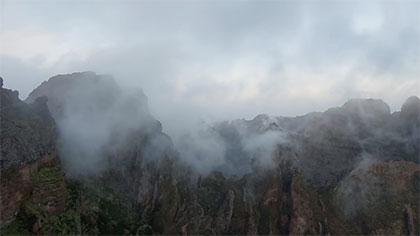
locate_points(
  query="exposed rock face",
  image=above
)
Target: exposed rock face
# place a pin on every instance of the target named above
(27, 130)
(408, 126)
(350, 170)
(94, 117)
(360, 202)
(410, 109)
(358, 127)
(27, 148)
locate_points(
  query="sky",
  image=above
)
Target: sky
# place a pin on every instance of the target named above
(215, 60)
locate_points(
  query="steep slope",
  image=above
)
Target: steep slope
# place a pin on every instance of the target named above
(30, 167)
(94, 117)
(112, 149)
(350, 170)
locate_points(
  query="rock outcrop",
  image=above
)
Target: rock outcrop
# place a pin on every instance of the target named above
(28, 154)
(350, 170)
(28, 131)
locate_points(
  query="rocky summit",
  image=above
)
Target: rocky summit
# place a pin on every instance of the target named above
(82, 155)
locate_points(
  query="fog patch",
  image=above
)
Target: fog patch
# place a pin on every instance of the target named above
(359, 188)
(203, 149)
(94, 116)
(234, 148)
(262, 146)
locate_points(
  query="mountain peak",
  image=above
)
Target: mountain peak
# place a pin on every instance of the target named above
(367, 106)
(411, 107)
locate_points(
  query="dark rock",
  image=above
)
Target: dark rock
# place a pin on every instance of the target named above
(410, 108)
(350, 170)
(27, 130)
(28, 145)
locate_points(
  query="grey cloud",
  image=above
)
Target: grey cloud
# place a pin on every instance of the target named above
(214, 48)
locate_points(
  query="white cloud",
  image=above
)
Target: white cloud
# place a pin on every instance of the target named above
(27, 44)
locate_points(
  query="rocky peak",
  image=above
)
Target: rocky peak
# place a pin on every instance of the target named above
(366, 106)
(28, 145)
(27, 130)
(95, 116)
(411, 108)
(88, 92)
(262, 123)
(368, 110)
(147, 189)
(9, 97)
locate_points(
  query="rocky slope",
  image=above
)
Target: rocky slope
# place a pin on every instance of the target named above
(30, 169)
(349, 170)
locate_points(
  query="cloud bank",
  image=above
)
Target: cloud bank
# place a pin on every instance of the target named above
(220, 60)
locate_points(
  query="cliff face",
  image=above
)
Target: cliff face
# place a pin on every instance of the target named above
(349, 170)
(94, 118)
(27, 130)
(28, 150)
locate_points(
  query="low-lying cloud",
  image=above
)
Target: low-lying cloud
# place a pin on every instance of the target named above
(222, 60)
(94, 116)
(97, 118)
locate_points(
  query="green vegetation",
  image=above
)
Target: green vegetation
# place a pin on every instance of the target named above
(16, 227)
(65, 223)
(48, 174)
(99, 206)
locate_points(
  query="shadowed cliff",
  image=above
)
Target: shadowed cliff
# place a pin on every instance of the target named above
(349, 170)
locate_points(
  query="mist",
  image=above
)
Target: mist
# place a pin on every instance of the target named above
(220, 61)
(231, 147)
(203, 63)
(199, 74)
(94, 116)
(210, 117)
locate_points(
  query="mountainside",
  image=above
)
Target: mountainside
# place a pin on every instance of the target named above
(31, 176)
(350, 170)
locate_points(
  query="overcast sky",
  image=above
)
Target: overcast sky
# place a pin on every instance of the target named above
(220, 59)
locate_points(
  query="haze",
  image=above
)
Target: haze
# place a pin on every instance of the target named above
(222, 59)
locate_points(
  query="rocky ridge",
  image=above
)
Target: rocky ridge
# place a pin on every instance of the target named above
(31, 174)
(349, 170)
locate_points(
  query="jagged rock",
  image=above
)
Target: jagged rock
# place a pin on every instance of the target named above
(28, 147)
(315, 178)
(411, 108)
(28, 131)
(224, 214)
(95, 117)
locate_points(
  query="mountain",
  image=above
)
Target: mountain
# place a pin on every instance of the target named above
(31, 175)
(353, 169)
